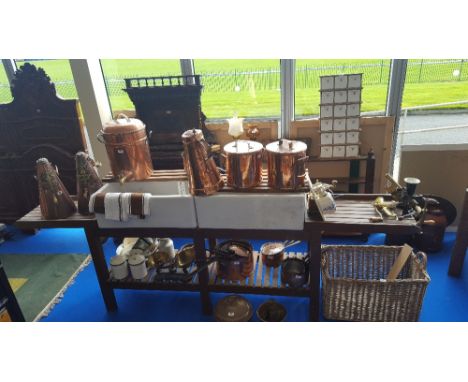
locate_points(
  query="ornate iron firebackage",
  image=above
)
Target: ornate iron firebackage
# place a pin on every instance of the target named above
(168, 106)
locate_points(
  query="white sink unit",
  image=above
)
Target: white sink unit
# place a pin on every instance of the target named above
(235, 210)
(171, 205)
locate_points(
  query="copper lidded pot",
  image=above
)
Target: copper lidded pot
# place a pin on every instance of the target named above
(127, 148)
(243, 163)
(286, 164)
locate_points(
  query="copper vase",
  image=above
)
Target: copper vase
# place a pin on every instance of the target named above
(203, 174)
(87, 181)
(54, 199)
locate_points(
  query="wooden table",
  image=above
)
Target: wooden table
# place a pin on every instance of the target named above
(352, 215)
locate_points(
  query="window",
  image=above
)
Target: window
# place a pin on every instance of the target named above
(435, 102)
(248, 88)
(60, 74)
(115, 72)
(307, 82)
(5, 93)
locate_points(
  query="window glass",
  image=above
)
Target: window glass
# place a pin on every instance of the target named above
(5, 93)
(60, 74)
(307, 82)
(115, 72)
(248, 88)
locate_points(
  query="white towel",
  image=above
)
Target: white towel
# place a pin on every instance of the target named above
(91, 202)
(146, 204)
(112, 206)
(125, 206)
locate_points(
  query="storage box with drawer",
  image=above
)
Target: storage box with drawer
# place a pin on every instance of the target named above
(352, 123)
(353, 110)
(352, 151)
(326, 124)
(338, 151)
(339, 111)
(339, 124)
(352, 137)
(326, 151)
(326, 111)
(341, 82)
(340, 96)
(354, 95)
(326, 97)
(339, 138)
(354, 81)
(327, 82)
(326, 138)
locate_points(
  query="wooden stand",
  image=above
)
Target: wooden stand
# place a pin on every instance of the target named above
(353, 212)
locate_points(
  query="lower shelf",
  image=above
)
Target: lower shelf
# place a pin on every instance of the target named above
(263, 280)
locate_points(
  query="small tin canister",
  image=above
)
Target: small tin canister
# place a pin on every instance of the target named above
(137, 265)
(119, 267)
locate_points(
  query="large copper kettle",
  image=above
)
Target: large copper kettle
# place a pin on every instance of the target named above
(127, 148)
(203, 174)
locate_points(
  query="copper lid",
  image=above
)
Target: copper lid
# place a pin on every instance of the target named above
(192, 135)
(123, 125)
(286, 146)
(243, 147)
(233, 308)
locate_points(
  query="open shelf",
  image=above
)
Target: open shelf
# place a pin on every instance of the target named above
(262, 280)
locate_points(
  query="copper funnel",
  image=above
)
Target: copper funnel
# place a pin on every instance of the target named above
(204, 177)
(87, 181)
(54, 199)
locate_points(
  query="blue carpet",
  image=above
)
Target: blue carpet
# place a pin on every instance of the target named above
(446, 297)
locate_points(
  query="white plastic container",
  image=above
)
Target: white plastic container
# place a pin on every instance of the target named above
(354, 95)
(326, 151)
(352, 151)
(338, 151)
(340, 96)
(326, 111)
(354, 81)
(137, 264)
(326, 97)
(352, 137)
(326, 138)
(352, 123)
(326, 82)
(326, 124)
(341, 82)
(353, 110)
(339, 111)
(339, 138)
(119, 267)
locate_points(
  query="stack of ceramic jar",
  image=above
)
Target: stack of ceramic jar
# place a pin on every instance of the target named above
(340, 108)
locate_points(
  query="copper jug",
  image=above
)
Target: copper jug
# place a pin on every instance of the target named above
(286, 164)
(127, 148)
(243, 163)
(203, 174)
(54, 199)
(87, 181)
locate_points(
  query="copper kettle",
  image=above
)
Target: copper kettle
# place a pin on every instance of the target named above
(203, 174)
(127, 148)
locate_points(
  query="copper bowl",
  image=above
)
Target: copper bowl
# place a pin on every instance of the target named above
(233, 308)
(271, 311)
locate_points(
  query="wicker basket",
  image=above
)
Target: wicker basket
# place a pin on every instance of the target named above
(355, 286)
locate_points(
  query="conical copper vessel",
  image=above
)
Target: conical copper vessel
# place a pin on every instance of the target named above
(54, 199)
(204, 177)
(87, 181)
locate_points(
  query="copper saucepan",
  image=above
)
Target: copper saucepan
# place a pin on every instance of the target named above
(286, 164)
(273, 252)
(235, 260)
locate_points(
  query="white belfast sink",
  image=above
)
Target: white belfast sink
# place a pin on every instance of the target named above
(171, 205)
(236, 210)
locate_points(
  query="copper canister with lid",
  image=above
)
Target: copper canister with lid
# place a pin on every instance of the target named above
(203, 174)
(243, 163)
(286, 164)
(127, 148)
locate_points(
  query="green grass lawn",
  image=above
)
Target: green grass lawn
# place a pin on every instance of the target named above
(228, 89)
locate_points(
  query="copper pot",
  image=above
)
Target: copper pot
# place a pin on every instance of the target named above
(286, 164)
(243, 163)
(203, 174)
(239, 264)
(127, 148)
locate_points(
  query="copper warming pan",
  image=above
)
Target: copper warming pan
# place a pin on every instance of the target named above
(127, 148)
(243, 164)
(286, 164)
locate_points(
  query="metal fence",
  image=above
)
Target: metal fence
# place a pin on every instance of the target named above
(307, 77)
